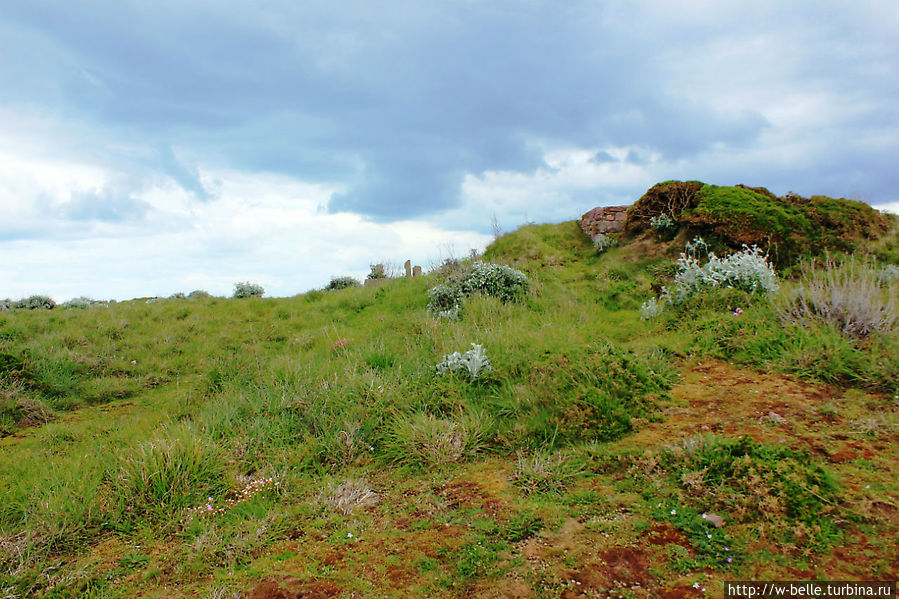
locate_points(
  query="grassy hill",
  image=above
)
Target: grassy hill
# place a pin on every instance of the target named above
(308, 446)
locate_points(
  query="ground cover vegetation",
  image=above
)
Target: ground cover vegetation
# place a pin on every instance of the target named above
(549, 437)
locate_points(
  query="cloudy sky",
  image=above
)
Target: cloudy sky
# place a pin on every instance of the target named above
(150, 147)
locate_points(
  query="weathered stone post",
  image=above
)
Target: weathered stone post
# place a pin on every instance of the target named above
(408, 267)
(416, 272)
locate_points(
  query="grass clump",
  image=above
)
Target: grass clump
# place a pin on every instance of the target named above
(544, 472)
(349, 496)
(852, 295)
(160, 478)
(425, 439)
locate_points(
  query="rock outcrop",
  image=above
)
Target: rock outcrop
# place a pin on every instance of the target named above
(606, 219)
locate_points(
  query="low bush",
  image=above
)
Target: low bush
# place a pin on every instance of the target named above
(445, 301)
(378, 271)
(747, 270)
(752, 483)
(852, 295)
(247, 289)
(662, 223)
(494, 280)
(342, 283)
(34, 302)
(78, 303)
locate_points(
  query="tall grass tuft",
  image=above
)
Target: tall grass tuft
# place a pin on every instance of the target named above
(428, 440)
(851, 295)
(159, 478)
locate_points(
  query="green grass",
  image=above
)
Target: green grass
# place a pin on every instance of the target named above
(122, 423)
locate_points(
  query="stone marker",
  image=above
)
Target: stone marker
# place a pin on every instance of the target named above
(408, 267)
(416, 272)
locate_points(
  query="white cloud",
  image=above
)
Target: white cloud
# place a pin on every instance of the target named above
(269, 229)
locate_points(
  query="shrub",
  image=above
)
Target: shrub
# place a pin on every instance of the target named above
(342, 283)
(179, 295)
(198, 294)
(78, 302)
(247, 289)
(377, 272)
(651, 308)
(35, 302)
(747, 270)
(751, 482)
(445, 301)
(854, 296)
(474, 362)
(603, 242)
(495, 280)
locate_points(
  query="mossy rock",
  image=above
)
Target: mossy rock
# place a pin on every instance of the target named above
(787, 227)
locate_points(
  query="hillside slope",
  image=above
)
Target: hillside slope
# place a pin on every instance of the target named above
(308, 447)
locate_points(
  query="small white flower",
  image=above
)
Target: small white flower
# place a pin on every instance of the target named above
(673, 512)
(349, 535)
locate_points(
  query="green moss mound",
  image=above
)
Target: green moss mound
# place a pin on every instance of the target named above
(787, 227)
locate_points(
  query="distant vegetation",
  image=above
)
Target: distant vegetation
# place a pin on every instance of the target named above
(509, 422)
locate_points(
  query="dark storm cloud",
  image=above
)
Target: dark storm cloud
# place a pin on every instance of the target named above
(396, 101)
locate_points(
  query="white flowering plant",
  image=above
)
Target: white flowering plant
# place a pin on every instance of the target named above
(474, 362)
(662, 223)
(445, 301)
(248, 289)
(496, 280)
(604, 241)
(747, 270)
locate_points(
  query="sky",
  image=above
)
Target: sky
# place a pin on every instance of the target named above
(155, 147)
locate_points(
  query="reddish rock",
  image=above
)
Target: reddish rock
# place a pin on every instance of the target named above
(605, 219)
